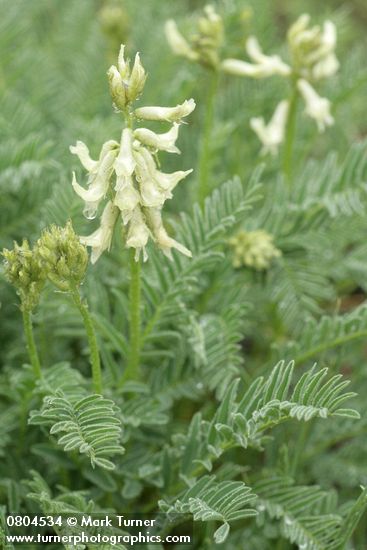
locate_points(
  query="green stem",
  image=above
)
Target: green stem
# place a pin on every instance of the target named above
(290, 134)
(132, 370)
(128, 118)
(204, 159)
(92, 340)
(23, 418)
(31, 344)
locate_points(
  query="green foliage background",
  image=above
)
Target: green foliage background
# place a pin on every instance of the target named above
(205, 323)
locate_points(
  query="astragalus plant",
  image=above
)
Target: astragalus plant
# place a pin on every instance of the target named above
(204, 366)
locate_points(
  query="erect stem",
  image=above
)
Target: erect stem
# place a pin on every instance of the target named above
(134, 310)
(92, 340)
(290, 133)
(128, 118)
(31, 344)
(204, 158)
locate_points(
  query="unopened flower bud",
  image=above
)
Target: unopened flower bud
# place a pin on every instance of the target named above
(136, 81)
(126, 86)
(24, 270)
(117, 88)
(115, 22)
(123, 65)
(65, 258)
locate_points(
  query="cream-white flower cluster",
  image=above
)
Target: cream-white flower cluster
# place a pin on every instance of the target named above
(312, 51)
(254, 249)
(127, 174)
(203, 45)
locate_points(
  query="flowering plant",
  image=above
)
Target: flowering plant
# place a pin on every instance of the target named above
(189, 351)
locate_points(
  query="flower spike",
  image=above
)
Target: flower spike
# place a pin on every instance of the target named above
(127, 172)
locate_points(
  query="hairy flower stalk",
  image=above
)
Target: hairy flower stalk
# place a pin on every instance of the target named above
(65, 261)
(24, 270)
(312, 53)
(127, 180)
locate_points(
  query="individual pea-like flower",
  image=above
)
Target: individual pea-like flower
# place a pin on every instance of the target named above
(262, 66)
(254, 249)
(24, 269)
(169, 114)
(64, 257)
(99, 174)
(203, 46)
(127, 175)
(317, 107)
(272, 134)
(101, 239)
(127, 197)
(160, 235)
(159, 142)
(138, 233)
(125, 162)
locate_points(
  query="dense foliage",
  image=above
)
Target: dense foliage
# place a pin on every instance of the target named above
(233, 381)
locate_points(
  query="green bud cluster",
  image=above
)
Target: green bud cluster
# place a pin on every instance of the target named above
(114, 21)
(209, 37)
(24, 270)
(204, 44)
(64, 258)
(254, 249)
(58, 256)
